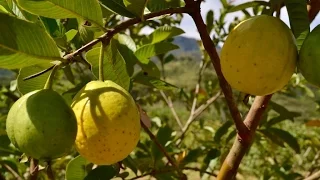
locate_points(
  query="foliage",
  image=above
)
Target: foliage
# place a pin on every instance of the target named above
(189, 117)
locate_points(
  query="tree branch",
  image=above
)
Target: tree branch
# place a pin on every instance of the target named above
(13, 172)
(246, 129)
(34, 169)
(314, 176)
(49, 171)
(197, 113)
(313, 9)
(211, 50)
(173, 111)
(231, 163)
(199, 170)
(123, 26)
(162, 149)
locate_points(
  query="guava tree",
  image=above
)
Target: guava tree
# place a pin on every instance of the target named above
(94, 98)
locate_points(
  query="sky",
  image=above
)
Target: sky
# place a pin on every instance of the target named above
(188, 26)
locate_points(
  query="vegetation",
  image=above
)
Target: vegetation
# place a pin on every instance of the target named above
(193, 124)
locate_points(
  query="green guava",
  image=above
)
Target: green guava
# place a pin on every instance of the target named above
(259, 55)
(42, 125)
(309, 57)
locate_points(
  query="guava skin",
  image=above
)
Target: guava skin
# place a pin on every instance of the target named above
(309, 57)
(259, 56)
(108, 122)
(42, 125)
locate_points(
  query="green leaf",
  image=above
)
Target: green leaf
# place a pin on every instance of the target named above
(130, 163)
(222, 131)
(192, 156)
(150, 69)
(71, 34)
(163, 33)
(34, 83)
(299, 20)
(24, 44)
(287, 138)
(147, 51)
(231, 135)
(77, 168)
(153, 82)
(212, 154)
(87, 10)
(210, 20)
(68, 73)
(127, 47)
(117, 6)
(86, 34)
(101, 172)
(136, 6)
(273, 138)
(163, 136)
(169, 58)
(113, 63)
(157, 5)
(246, 5)
(284, 114)
(4, 141)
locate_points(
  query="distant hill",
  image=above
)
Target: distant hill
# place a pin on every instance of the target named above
(189, 48)
(6, 76)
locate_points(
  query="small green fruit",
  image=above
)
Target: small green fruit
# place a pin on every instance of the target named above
(42, 125)
(309, 57)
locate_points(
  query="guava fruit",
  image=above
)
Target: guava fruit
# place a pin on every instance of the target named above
(259, 55)
(42, 125)
(309, 57)
(108, 122)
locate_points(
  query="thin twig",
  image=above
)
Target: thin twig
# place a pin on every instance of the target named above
(196, 114)
(199, 170)
(154, 172)
(49, 171)
(124, 25)
(34, 169)
(161, 148)
(314, 176)
(13, 172)
(194, 103)
(203, 107)
(211, 50)
(173, 111)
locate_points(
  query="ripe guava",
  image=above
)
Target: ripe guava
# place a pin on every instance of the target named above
(42, 125)
(259, 55)
(108, 122)
(309, 57)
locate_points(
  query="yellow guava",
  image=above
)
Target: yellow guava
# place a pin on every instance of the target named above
(259, 55)
(108, 122)
(42, 125)
(309, 57)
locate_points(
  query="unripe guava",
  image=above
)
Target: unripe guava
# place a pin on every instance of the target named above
(42, 125)
(108, 122)
(309, 57)
(259, 55)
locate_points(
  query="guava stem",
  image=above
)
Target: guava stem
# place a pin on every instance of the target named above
(101, 75)
(34, 169)
(49, 82)
(49, 171)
